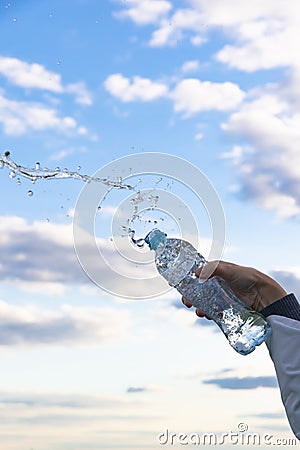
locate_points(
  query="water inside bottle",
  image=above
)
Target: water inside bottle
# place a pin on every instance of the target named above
(177, 262)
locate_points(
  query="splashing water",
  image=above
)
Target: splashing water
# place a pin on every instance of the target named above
(137, 215)
(37, 173)
(138, 242)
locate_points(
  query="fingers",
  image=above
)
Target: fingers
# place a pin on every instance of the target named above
(222, 269)
(186, 302)
(198, 311)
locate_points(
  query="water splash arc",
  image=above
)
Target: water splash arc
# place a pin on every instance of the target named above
(36, 173)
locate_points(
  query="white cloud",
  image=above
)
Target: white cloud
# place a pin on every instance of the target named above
(198, 40)
(234, 12)
(289, 278)
(40, 253)
(179, 315)
(28, 325)
(191, 96)
(165, 34)
(71, 419)
(82, 95)
(137, 89)
(263, 34)
(47, 288)
(28, 75)
(144, 12)
(19, 117)
(190, 66)
(75, 401)
(173, 29)
(36, 76)
(46, 250)
(269, 167)
(266, 36)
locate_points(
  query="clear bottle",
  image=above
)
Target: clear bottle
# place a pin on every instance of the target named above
(177, 260)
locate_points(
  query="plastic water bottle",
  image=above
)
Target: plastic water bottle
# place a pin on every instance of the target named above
(177, 260)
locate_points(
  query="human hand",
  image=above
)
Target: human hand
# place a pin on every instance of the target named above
(251, 286)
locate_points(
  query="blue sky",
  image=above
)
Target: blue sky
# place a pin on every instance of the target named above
(83, 83)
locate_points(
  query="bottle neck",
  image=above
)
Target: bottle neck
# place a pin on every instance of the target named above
(155, 238)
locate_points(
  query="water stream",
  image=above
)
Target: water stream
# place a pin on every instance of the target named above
(44, 173)
(38, 173)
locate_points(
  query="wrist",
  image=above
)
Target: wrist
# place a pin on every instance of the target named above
(269, 291)
(287, 306)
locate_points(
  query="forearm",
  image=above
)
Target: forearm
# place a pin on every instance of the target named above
(283, 345)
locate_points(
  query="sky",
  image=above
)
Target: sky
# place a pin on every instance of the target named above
(84, 83)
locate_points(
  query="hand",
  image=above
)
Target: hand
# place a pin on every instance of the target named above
(252, 287)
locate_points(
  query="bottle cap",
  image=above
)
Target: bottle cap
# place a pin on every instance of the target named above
(154, 238)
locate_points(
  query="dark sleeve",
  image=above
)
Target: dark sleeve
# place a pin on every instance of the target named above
(287, 306)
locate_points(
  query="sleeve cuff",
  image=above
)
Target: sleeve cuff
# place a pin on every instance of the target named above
(287, 306)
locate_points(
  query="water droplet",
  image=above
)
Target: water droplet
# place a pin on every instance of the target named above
(12, 174)
(14, 19)
(50, 15)
(99, 208)
(7, 154)
(18, 181)
(33, 180)
(8, 5)
(140, 243)
(47, 220)
(65, 170)
(57, 169)
(58, 63)
(78, 168)
(37, 166)
(30, 193)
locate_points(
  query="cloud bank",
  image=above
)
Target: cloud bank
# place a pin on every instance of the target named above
(258, 36)
(32, 326)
